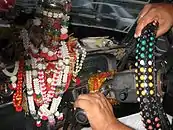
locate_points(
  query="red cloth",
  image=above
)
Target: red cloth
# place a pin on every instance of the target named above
(5, 5)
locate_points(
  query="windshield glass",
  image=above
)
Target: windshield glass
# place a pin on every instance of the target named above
(83, 5)
(118, 15)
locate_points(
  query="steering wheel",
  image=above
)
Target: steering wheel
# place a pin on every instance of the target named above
(153, 115)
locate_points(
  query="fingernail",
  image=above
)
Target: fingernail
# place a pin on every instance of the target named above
(135, 35)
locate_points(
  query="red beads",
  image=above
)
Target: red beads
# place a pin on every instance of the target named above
(63, 36)
(57, 25)
(44, 118)
(19, 108)
(17, 97)
(38, 123)
(150, 127)
(78, 81)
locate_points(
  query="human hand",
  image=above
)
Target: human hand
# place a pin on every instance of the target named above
(98, 110)
(160, 12)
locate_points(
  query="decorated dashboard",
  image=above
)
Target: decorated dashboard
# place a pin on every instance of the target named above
(54, 67)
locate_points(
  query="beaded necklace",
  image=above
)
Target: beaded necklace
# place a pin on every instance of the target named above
(51, 69)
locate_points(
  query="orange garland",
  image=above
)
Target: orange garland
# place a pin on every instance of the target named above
(96, 81)
(17, 97)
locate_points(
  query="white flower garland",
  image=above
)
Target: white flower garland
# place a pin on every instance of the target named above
(10, 74)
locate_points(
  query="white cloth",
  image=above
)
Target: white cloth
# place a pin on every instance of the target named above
(134, 121)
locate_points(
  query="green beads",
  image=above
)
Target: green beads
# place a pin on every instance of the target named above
(137, 45)
(150, 56)
(65, 23)
(138, 39)
(54, 32)
(137, 57)
(151, 43)
(38, 96)
(151, 38)
(27, 67)
(150, 49)
(143, 42)
(143, 48)
(142, 55)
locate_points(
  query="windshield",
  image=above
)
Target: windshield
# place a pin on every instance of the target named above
(118, 15)
(83, 5)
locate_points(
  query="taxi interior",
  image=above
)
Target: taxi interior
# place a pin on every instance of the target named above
(105, 28)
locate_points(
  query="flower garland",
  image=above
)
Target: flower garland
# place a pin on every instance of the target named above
(10, 74)
(51, 67)
(17, 97)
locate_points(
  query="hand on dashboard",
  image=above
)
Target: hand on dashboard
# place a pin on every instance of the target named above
(160, 12)
(98, 110)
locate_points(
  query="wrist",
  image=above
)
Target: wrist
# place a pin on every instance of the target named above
(110, 125)
(117, 125)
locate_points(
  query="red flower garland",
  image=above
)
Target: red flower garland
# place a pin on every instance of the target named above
(17, 97)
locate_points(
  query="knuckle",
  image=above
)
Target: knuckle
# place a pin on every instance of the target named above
(80, 96)
(153, 10)
(147, 5)
(97, 100)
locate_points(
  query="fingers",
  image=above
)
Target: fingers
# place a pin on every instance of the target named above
(88, 100)
(144, 21)
(144, 11)
(105, 101)
(83, 103)
(97, 109)
(162, 29)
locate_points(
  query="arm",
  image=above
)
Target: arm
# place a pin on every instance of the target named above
(99, 112)
(118, 126)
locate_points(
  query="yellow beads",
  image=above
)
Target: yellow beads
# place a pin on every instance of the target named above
(150, 70)
(136, 70)
(143, 93)
(150, 77)
(142, 85)
(142, 69)
(137, 85)
(136, 77)
(137, 92)
(142, 77)
(151, 84)
(151, 92)
(136, 64)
